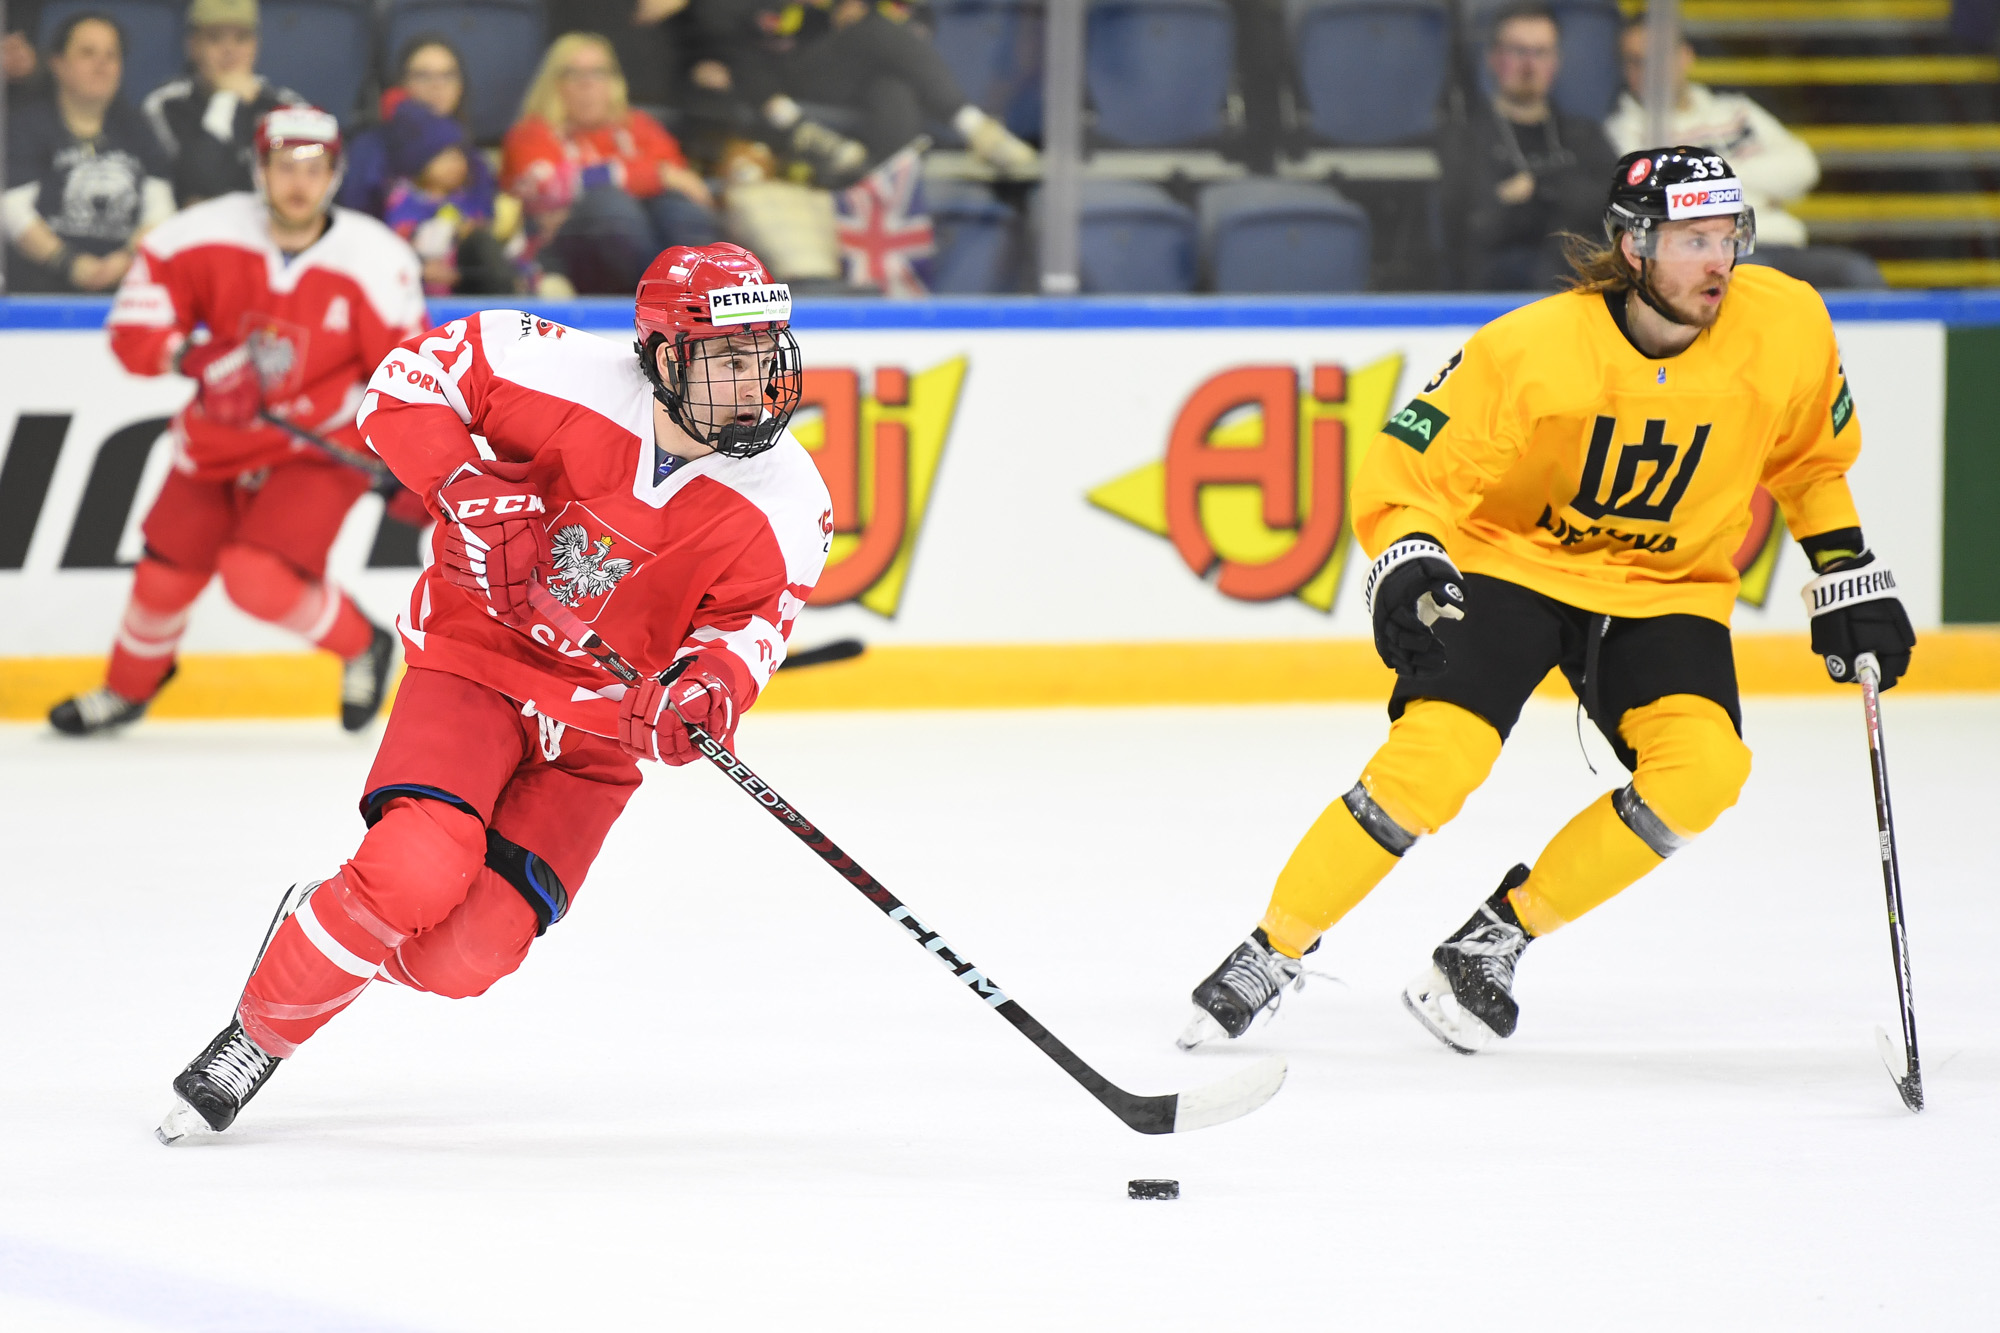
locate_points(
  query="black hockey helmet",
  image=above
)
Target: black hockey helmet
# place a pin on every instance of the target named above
(1656, 185)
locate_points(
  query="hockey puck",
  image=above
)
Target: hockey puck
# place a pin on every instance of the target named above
(1152, 1189)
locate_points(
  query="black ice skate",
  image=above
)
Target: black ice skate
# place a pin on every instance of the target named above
(217, 1085)
(101, 710)
(1249, 982)
(1467, 997)
(364, 679)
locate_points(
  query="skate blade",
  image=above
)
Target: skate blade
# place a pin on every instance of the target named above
(1430, 1002)
(1201, 1030)
(182, 1122)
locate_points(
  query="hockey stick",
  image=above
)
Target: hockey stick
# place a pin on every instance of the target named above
(1225, 1099)
(381, 480)
(837, 651)
(1909, 1082)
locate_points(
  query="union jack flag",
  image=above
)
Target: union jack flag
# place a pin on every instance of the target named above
(881, 231)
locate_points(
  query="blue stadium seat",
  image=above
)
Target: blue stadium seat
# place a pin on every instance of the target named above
(1371, 71)
(1280, 236)
(1134, 238)
(319, 49)
(975, 239)
(502, 42)
(1158, 71)
(994, 49)
(1590, 79)
(155, 49)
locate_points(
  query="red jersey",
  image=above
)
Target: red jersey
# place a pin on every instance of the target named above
(320, 320)
(715, 557)
(548, 168)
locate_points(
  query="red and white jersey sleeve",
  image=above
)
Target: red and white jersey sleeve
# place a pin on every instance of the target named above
(715, 558)
(318, 322)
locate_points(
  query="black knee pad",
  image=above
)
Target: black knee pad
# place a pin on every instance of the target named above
(532, 877)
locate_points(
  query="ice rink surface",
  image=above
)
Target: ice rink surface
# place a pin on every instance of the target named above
(725, 1093)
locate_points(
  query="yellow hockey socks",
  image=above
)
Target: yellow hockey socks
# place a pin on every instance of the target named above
(1436, 755)
(1692, 766)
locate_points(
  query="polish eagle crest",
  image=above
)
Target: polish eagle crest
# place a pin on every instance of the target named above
(585, 568)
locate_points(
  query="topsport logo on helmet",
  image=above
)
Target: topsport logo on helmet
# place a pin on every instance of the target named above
(1704, 199)
(1638, 171)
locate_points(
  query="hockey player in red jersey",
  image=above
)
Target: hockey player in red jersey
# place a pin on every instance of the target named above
(660, 498)
(300, 301)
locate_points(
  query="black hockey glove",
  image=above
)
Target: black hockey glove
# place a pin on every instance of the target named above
(1410, 588)
(1854, 608)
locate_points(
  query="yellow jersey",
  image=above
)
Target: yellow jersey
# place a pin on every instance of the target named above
(1552, 453)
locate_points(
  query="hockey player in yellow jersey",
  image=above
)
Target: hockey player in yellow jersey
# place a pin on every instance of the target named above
(1567, 491)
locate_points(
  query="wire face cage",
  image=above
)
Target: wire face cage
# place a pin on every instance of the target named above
(737, 392)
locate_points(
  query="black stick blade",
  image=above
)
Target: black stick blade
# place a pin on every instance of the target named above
(837, 651)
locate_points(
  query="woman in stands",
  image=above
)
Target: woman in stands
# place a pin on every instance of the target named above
(605, 186)
(419, 171)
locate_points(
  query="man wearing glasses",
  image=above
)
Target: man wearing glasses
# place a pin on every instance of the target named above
(207, 123)
(1520, 172)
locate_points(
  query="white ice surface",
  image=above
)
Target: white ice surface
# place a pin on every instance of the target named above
(726, 1093)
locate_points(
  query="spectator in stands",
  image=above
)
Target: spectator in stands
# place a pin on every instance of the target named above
(429, 70)
(849, 54)
(440, 198)
(419, 172)
(206, 123)
(1775, 165)
(605, 186)
(85, 178)
(1520, 173)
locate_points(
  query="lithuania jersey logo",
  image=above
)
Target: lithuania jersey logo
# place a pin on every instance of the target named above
(878, 454)
(1256, 477)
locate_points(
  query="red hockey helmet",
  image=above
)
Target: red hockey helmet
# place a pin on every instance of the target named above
(691, 294)
(304, 128)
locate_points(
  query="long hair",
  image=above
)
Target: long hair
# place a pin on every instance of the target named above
(544, 99)
(1597, 266)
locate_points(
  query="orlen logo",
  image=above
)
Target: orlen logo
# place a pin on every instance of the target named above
(1256, 477)
(878, 454)
(1638, 171)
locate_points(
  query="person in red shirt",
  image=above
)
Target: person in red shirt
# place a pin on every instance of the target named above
(299, 300)
(662, 499)
(604, 187)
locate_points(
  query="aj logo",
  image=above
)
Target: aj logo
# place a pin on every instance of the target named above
(1256, 476)
(878, 454)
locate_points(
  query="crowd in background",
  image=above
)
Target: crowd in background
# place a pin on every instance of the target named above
(801, 129)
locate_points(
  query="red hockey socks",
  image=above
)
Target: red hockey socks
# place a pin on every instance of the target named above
(156, 615)
(319, 962)
(417, 864)
(270, 589)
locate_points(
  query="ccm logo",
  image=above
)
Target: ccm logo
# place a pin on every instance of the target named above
(506, 504)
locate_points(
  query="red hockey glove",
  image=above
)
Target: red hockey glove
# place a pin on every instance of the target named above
(492, 538)
(228, 390)
(649, 729)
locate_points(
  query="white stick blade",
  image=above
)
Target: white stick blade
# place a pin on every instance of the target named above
(1892, 1056)
(1226, 1099)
